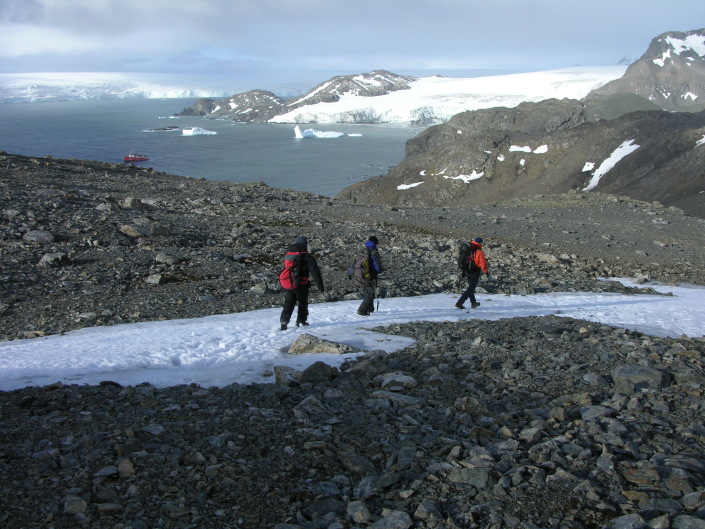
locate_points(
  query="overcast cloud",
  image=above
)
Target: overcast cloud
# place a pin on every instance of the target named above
(261, 40)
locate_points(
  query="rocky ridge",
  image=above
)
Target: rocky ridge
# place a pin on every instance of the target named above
(531, 422)
(544, 148)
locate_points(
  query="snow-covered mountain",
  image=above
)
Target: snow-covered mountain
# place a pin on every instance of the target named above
(384, 97)
(671, 73)
(76, 86)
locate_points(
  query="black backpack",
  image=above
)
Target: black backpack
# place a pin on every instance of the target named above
(465, 258)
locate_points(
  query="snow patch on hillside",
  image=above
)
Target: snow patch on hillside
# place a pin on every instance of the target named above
(620, 152)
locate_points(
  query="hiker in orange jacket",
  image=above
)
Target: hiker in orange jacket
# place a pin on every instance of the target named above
(471, 268)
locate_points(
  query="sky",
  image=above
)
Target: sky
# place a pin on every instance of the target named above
(245, 347)
(262, 43)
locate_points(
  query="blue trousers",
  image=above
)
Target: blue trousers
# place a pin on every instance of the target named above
(473, 280)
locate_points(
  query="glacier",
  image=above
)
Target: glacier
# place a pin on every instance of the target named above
(81, 86)
(437, 99)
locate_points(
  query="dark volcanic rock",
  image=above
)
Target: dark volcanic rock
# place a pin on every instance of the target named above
(88, 243)
(524, 422)
(511, 423)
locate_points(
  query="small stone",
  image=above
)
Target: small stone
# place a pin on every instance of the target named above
(74, 505)
(55, 259)
(155, 279)
(38, 236)
(106, 471)
(307, 343)
(393, 520)
(358, 512)
(126, 468)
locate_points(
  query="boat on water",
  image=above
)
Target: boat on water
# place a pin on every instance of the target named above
(132, 157)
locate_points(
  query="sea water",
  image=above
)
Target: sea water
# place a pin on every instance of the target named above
(107, 130)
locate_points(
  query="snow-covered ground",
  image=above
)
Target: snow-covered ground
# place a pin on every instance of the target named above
(244, 347)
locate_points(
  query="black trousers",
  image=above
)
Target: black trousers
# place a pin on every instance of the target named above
(368, 300)
(291, 299)
(473, 280)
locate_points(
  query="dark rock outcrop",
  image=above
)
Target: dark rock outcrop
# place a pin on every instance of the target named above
(545, 148)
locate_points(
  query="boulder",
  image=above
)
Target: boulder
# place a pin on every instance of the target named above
(307, 343)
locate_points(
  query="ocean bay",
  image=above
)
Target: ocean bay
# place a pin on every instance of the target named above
(107, 130)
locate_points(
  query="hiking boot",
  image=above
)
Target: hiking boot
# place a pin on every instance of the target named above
(304, 323)
(475, 305)
(284, 326)
(459, 305)
(360, 313)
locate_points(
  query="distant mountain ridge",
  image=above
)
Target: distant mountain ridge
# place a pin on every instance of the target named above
(670, 75)
(262, 105)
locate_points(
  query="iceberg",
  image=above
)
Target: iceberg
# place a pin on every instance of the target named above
(197, 131)
(312, 133)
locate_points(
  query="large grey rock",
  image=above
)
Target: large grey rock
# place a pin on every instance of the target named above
(144, 227)
(307, 343)
(630, 379)
(39, 236)
(685, 521)
(55, 259)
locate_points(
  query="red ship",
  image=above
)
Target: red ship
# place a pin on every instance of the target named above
(132, 157)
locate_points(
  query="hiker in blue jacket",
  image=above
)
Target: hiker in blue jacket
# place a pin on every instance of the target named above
(366, 267)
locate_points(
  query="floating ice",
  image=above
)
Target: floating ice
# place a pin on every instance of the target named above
(197, 131)
(312, 133)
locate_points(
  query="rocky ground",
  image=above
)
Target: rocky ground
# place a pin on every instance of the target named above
(535, 422)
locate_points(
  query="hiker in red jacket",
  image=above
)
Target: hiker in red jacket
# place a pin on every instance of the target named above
(471, 268)
(297, 284)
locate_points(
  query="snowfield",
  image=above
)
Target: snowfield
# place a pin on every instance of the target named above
(245, 347)
(438, 98)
